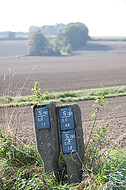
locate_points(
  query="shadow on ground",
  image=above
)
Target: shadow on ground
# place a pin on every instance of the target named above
(97, 47)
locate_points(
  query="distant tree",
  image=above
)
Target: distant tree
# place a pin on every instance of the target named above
(34, 29)
(39, 45)
(73, 36)
(11, 35)
(61, 44)
(51, 29)
(48, 29)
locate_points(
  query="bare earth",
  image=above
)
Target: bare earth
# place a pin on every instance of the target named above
(101, 64)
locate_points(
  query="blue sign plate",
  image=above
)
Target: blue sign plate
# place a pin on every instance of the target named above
(42, 117)
(66, 118)
(69, 141)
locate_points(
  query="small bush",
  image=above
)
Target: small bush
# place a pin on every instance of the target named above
(16, 158)
(114, 170)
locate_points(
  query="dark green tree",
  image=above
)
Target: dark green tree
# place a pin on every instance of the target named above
(37, 44)
(73, 37)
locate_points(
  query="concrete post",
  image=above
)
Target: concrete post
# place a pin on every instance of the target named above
(71, 140)
(47, 135)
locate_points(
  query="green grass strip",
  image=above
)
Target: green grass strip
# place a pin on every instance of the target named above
(59, 97)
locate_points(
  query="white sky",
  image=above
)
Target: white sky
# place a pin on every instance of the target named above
(102, 17)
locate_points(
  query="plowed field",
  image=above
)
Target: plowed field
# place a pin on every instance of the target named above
(101, 64)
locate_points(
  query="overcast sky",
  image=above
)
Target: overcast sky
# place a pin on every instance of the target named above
(102, 17)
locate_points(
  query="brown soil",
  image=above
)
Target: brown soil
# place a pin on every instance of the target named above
(21, 121)
(101, 64)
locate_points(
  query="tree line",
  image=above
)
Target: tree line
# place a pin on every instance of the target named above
(48, 29)
(8, 35)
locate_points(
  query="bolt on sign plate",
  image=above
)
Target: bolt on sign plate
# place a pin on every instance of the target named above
(69, 141)
(66, 118)
(42, 117)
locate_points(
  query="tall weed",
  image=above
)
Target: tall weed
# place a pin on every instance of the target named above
(97, 138)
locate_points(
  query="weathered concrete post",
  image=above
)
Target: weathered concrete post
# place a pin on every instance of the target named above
(71, 140)
(47, 135)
